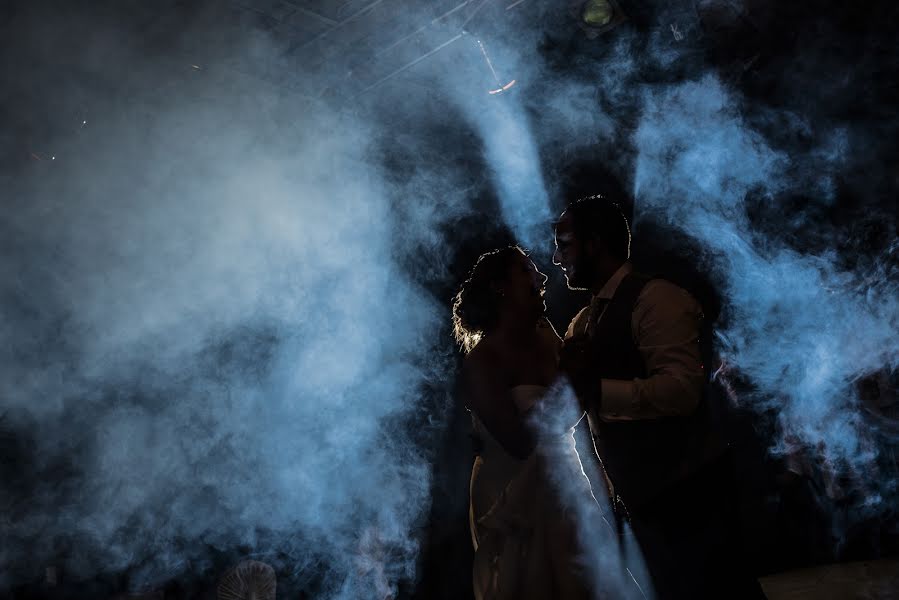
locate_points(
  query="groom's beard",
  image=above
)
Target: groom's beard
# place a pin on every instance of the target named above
(580, 276)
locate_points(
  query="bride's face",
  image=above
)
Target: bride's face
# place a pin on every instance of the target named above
(523, 288)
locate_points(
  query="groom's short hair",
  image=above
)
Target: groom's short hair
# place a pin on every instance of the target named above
(598, 216)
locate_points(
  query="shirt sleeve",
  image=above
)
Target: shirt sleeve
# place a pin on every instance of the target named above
(665, 323)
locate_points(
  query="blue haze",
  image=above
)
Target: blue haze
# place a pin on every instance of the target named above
(610, 556)
(215, 347)
(801, 328)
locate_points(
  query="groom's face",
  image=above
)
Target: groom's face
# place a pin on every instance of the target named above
(571, 255)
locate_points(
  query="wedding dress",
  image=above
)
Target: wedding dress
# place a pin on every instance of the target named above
(525, 540)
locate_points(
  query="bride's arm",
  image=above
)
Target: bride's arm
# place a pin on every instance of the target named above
(491, 401)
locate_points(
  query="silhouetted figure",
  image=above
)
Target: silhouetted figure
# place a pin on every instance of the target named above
(633, 357)
(525, 543)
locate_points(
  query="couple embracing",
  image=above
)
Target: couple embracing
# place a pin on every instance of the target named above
(632, 358)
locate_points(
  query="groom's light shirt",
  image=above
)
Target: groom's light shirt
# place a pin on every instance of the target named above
(665, 326)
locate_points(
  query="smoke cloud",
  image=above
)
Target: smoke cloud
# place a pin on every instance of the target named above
(608, 551)
(801, 327)
(212, 342)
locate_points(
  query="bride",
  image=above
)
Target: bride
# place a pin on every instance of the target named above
(524, 537)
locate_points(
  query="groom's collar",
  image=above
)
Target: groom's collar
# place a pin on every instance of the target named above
(608, 290)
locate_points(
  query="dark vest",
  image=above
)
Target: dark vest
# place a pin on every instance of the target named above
(643, 457)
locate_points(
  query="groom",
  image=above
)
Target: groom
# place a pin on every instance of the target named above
(633, 358)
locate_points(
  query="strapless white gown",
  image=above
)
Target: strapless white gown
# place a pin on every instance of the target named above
(525, 542)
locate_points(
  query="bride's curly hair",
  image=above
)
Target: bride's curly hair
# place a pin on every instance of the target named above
(476, 305)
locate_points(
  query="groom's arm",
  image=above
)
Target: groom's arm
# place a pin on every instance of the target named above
(665, 323)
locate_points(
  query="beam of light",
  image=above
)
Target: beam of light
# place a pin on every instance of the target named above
(611, 558)
(509, 150)
(514, 164)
